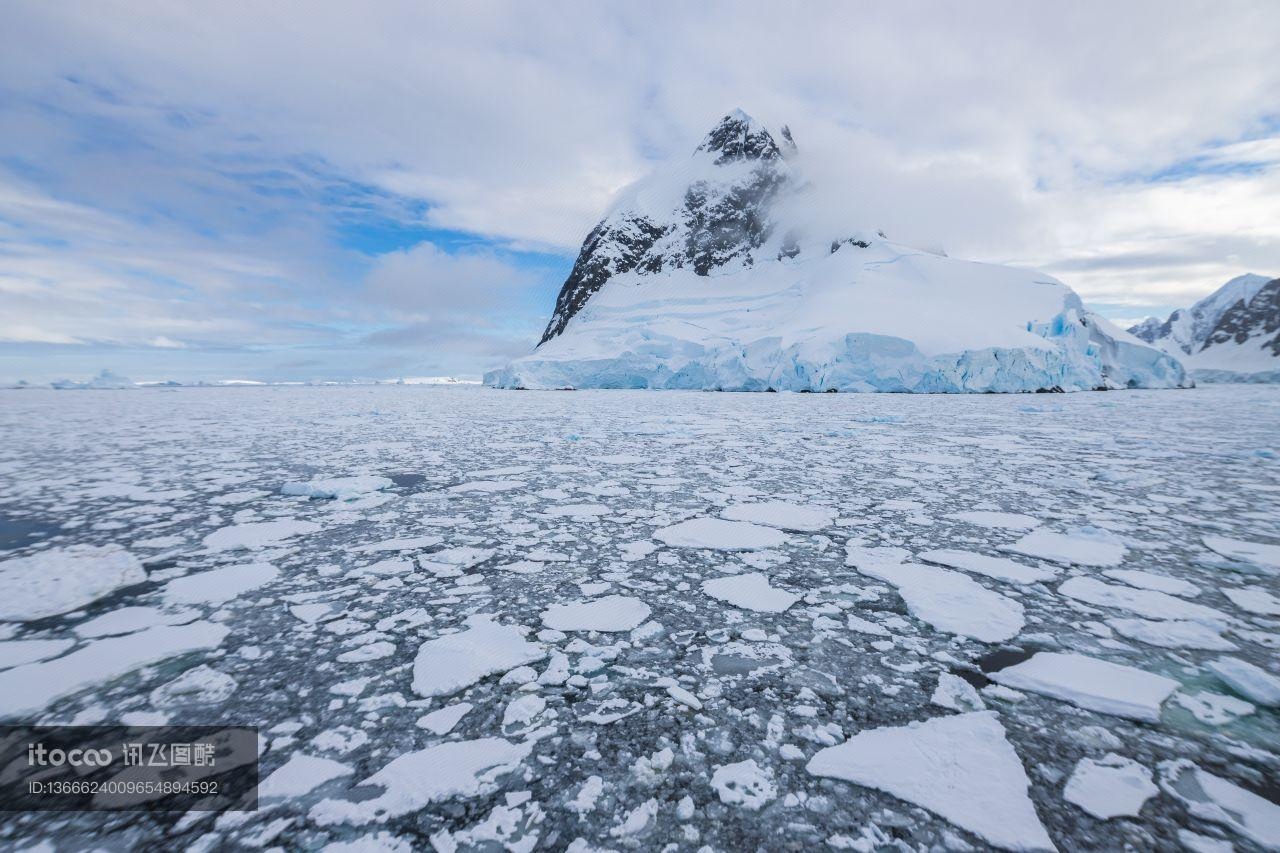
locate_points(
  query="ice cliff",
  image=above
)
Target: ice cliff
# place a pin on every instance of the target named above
(702, 276)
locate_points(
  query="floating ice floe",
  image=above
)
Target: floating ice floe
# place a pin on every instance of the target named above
(750, 592)
(413, 543)
(577, 511)
(999, 568)
(1252, 682)
(1215, 799)
(200, 685)
(720, 535)
(1112, 786)
(218, 585)
(488, 486)
(1254, 599)
(442, 721)
(955, 693)
(787, 516)
(258, 534)
(126, 620)
(60, 580)
(1160, 583)
(466, 768)
(947, 600)
(17, 652)
(1144, 602)
(1172, 634)
(1258, 553)
(450, 663)
(301, 775)
(997, 520)
(610, 613)
(337, 488)
(450, 562)
(31, 688)
(744, 784)
(1214, 709)
(959, 767)
(1097, 685)
(1071, 550)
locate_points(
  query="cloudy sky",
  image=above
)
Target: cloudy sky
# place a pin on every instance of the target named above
(307, 190)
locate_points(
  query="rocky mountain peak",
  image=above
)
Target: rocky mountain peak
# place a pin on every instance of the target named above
(738, 136)
(708, 218)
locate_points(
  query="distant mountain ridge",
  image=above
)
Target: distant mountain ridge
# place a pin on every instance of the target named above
(714, 273)
(1231, 335)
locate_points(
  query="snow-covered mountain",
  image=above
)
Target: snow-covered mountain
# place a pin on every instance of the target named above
(713, 274)
(1231, 335)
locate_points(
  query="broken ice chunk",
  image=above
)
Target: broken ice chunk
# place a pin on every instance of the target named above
(1251, 682)
(1098, 685)
(610, 613)
(60, 580)
(447, 664)
(750, 592)
(720, 535)
(1063, 548)
(959, 767)
(1112, 786)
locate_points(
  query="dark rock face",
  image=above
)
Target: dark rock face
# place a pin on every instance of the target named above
(1243, 322)
(1152, 330)
(735, 138)
(610, 248)
(718, 222)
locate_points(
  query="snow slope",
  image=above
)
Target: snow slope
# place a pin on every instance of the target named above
(1231, 335)
(701, 277)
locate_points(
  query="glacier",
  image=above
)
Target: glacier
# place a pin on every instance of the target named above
(707, 276)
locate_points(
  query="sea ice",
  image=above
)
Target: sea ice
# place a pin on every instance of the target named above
(200, 685)
(1172, 634)
(955, 693)
(1259, 553)
(216, 586)
(442, 721)
(750, 592)
(1072, 550)
(959, 767)
(59, 580)
(1160, 583)
(1254, 599)
(31, 688)
(465, 768)
(610, 613)
(1252, 682)
(1098, 685)
(447, 664)
(300, 775)
(744, 784)
(947, 600)
(1112, 786)
(787, 516)
(126, 620)
(338, 488)
(1144, 602)
(999, 568)
(17, 652)
(1214, 709)
(721, 535)
(997, 520)
(1215, 799)
(257, 534)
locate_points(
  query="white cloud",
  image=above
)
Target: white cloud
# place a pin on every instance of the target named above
(165, 176)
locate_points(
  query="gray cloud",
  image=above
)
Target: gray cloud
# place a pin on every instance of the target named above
(167, 178)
